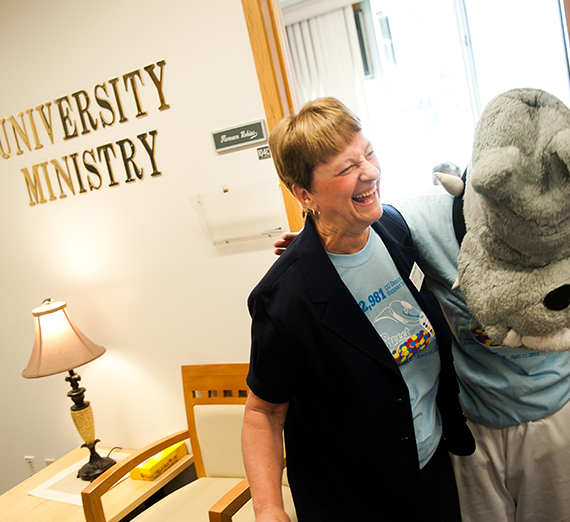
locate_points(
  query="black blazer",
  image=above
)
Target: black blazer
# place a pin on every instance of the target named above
(349, 432)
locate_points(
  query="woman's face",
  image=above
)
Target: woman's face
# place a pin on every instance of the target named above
(345, 191)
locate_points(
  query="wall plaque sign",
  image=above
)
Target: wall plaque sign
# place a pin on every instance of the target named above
(238, 137)
(263, 152)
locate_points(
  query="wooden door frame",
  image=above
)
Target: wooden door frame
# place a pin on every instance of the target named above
(275, 75)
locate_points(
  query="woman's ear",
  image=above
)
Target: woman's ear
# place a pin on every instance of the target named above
(303, 196)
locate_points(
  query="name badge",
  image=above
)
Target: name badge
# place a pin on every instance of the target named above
(417, 276)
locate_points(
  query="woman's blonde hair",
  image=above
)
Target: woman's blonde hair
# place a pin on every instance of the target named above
(302, 142)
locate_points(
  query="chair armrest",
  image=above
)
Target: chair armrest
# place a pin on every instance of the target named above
(91, 495)
(225, 508)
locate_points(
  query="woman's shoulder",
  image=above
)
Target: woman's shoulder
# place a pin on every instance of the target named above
(304, 264)
(281, 272)
(393, 222)
(390, 214)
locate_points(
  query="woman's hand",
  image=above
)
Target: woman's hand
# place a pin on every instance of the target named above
(282, 244)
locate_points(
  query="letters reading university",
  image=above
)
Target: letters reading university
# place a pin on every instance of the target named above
(79, 114)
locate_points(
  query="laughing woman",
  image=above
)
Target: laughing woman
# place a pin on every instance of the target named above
(350, 353)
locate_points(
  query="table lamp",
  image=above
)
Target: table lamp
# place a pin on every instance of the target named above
(59, 346)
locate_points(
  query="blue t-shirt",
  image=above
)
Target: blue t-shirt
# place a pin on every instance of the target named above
(374, 281)
(500, 386)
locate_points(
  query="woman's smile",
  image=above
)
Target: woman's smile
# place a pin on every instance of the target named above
(366, 197)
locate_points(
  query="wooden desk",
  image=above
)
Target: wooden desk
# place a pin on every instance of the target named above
(17, 506)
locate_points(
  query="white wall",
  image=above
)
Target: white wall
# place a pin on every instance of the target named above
(131, 261)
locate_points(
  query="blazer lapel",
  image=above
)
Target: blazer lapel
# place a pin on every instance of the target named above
(338, 308)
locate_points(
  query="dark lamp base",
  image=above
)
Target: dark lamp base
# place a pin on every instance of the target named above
(96, 464)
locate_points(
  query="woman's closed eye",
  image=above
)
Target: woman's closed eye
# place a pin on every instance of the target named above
(347, 170)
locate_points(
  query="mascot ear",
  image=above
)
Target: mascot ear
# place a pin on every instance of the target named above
(495, 171)
(560, 148)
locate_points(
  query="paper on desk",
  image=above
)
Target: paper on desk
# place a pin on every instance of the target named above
(65, 486)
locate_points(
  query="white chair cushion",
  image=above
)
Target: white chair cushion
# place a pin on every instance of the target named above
(219, 434)
(191, 503)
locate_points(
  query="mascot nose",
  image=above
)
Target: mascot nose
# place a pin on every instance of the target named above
(558, 299)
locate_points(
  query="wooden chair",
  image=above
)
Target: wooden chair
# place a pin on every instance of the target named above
(214, 396)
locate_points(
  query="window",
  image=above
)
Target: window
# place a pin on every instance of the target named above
(386, 38)
(428, 70)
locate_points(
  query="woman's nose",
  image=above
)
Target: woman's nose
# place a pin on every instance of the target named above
(368, 171)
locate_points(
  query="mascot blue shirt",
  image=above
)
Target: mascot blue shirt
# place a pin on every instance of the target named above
(500, 386)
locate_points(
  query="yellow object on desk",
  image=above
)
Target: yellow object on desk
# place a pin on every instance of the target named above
(153, 467)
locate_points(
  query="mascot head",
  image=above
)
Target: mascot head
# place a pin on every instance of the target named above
(514, 261)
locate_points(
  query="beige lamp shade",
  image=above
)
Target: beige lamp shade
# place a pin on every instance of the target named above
(59, 345)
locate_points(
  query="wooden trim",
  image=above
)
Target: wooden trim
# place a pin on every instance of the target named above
(275, 76)
(225, 508)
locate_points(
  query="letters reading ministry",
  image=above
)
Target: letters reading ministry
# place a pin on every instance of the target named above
(79, 114)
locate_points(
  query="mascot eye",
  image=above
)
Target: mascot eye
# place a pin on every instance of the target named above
(558, 299)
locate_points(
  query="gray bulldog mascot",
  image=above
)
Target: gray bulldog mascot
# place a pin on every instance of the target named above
(514, 262)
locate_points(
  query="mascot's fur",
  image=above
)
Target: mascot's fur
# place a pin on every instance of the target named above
(514, 262)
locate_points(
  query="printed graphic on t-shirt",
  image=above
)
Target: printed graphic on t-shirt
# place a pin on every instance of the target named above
(404, 328)
(502, 351)
(481, 336)
(383, 295)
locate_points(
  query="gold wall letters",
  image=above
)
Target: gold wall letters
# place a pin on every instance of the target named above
(81, 113)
